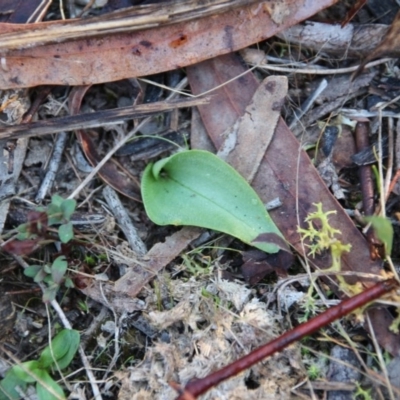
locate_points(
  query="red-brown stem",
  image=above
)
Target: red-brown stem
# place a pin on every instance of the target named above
(43, 92)
(367, 187)
(200, 386)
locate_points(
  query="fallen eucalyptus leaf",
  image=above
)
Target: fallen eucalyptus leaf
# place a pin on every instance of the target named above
(197, 188)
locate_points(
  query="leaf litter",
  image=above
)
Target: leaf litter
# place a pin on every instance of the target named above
(212, 336)
(207, 322)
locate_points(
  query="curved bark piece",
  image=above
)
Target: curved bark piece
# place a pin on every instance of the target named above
(130, 54)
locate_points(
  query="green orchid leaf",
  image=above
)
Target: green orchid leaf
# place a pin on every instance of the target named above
(384, 231)
(72, 343)
(64, 347)
(197, 188)
(21, 371)
(10, 384)
(43, 392)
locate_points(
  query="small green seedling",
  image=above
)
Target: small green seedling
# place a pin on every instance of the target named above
(384, 231)
(35, 232)
(194, 267)
(197, 188)
(58, 212)
(55, 357)
(314, 372)
(309, 306)
(362, 394)
(52, 275)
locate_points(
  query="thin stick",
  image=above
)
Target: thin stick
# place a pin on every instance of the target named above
(389, 173)
(380, 167)
(321, 71)
(96, 119)
(97, 168)
(308, 103)
(116, 334)
(380, 358)
(397, 174)
(361, 135)
(58, 150)
(124, 221)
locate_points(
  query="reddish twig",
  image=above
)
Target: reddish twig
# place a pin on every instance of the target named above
(367, 187)
(42, 94)
(393, 182)
(200, 386)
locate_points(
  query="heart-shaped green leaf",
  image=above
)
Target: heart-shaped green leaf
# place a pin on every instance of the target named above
(197, 188)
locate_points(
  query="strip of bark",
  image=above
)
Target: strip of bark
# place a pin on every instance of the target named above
(96, 119)
(118, 55)
(129, 19)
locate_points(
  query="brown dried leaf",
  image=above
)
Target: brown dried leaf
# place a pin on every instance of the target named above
(258, 264)
(128, 19)
(246, 143)
(21, 247)
(230, 98)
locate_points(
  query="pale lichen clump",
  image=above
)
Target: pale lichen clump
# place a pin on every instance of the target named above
(212, 324)
(325, 239)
